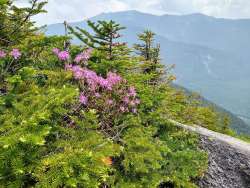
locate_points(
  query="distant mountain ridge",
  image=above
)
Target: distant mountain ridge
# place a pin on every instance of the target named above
(211, 54)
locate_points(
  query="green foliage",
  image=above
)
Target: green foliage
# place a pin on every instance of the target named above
(189, 109)
(104, 39)
(40, 148)
(185, 161)
(150, 55)
(15, 22)
(38, 51)
(37, 146)
(17, 30)
(146, 49)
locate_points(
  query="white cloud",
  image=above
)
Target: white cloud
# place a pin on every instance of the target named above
(74, 10)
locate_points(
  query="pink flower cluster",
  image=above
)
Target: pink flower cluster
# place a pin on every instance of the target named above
(119, 44)
(15, 53)
(62, 55)
(2, 54)
(109, 95)
(84, 56)
(116, 35)
(94, 81)
(130, 100)
(111, 91)
(83, 99)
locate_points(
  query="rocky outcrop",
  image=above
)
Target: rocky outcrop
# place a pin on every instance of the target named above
(229, 159)
(228, 167)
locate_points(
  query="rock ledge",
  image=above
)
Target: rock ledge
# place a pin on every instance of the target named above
(229, 159)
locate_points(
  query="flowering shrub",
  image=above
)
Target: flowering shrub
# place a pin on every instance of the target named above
(62, 55)
(69, 126)
(83, 57)
(110, 97)
(37, 146)
(112, 90)
(8, 62)
(14, 53)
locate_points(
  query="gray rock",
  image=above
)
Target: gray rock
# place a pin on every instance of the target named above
(229, 159)
(228, 167)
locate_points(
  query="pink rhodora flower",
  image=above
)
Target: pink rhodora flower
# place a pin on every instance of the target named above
(137, 101)
(91, 78)
(90, 75)
(76, 68)
(83, 99)
(68, 67)
(89, 51)
(84, 56)
(97, 95)
(132, 103)
(113, 78)
(87, 54)
(116, 35)
(77, 72)
(126, 99)
(56, 51)
(15, 53)
(132, 91)
(104, 83)
(110, 102)
(78, 58)
(123, 109)
(63, 55)
(134, 110)
(2, 54)
(116, 44)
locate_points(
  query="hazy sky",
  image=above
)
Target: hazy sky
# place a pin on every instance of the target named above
(75, 10)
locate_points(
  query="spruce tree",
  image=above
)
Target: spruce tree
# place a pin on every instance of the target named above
(146, 48)
(15, 22)
(105, 37)
(150, 54)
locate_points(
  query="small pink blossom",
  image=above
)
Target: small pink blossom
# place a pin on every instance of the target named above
(2, 54)
(116, 35)
(77, 72)
(15, 53)
(63, 55)
(110, 102)
(104, 83)
(83, 99)
(68, 67)
(134, 110)
(116, 44)
(132, 103)
(78, 58)
(113, 78)
(84, 56)
(137, 101)
(126, 99)
(56, 51)
(97, 95)
(132, 91)
(122, 108)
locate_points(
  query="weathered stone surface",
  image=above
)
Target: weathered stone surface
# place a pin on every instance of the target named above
(229, 159)
(228, 167)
